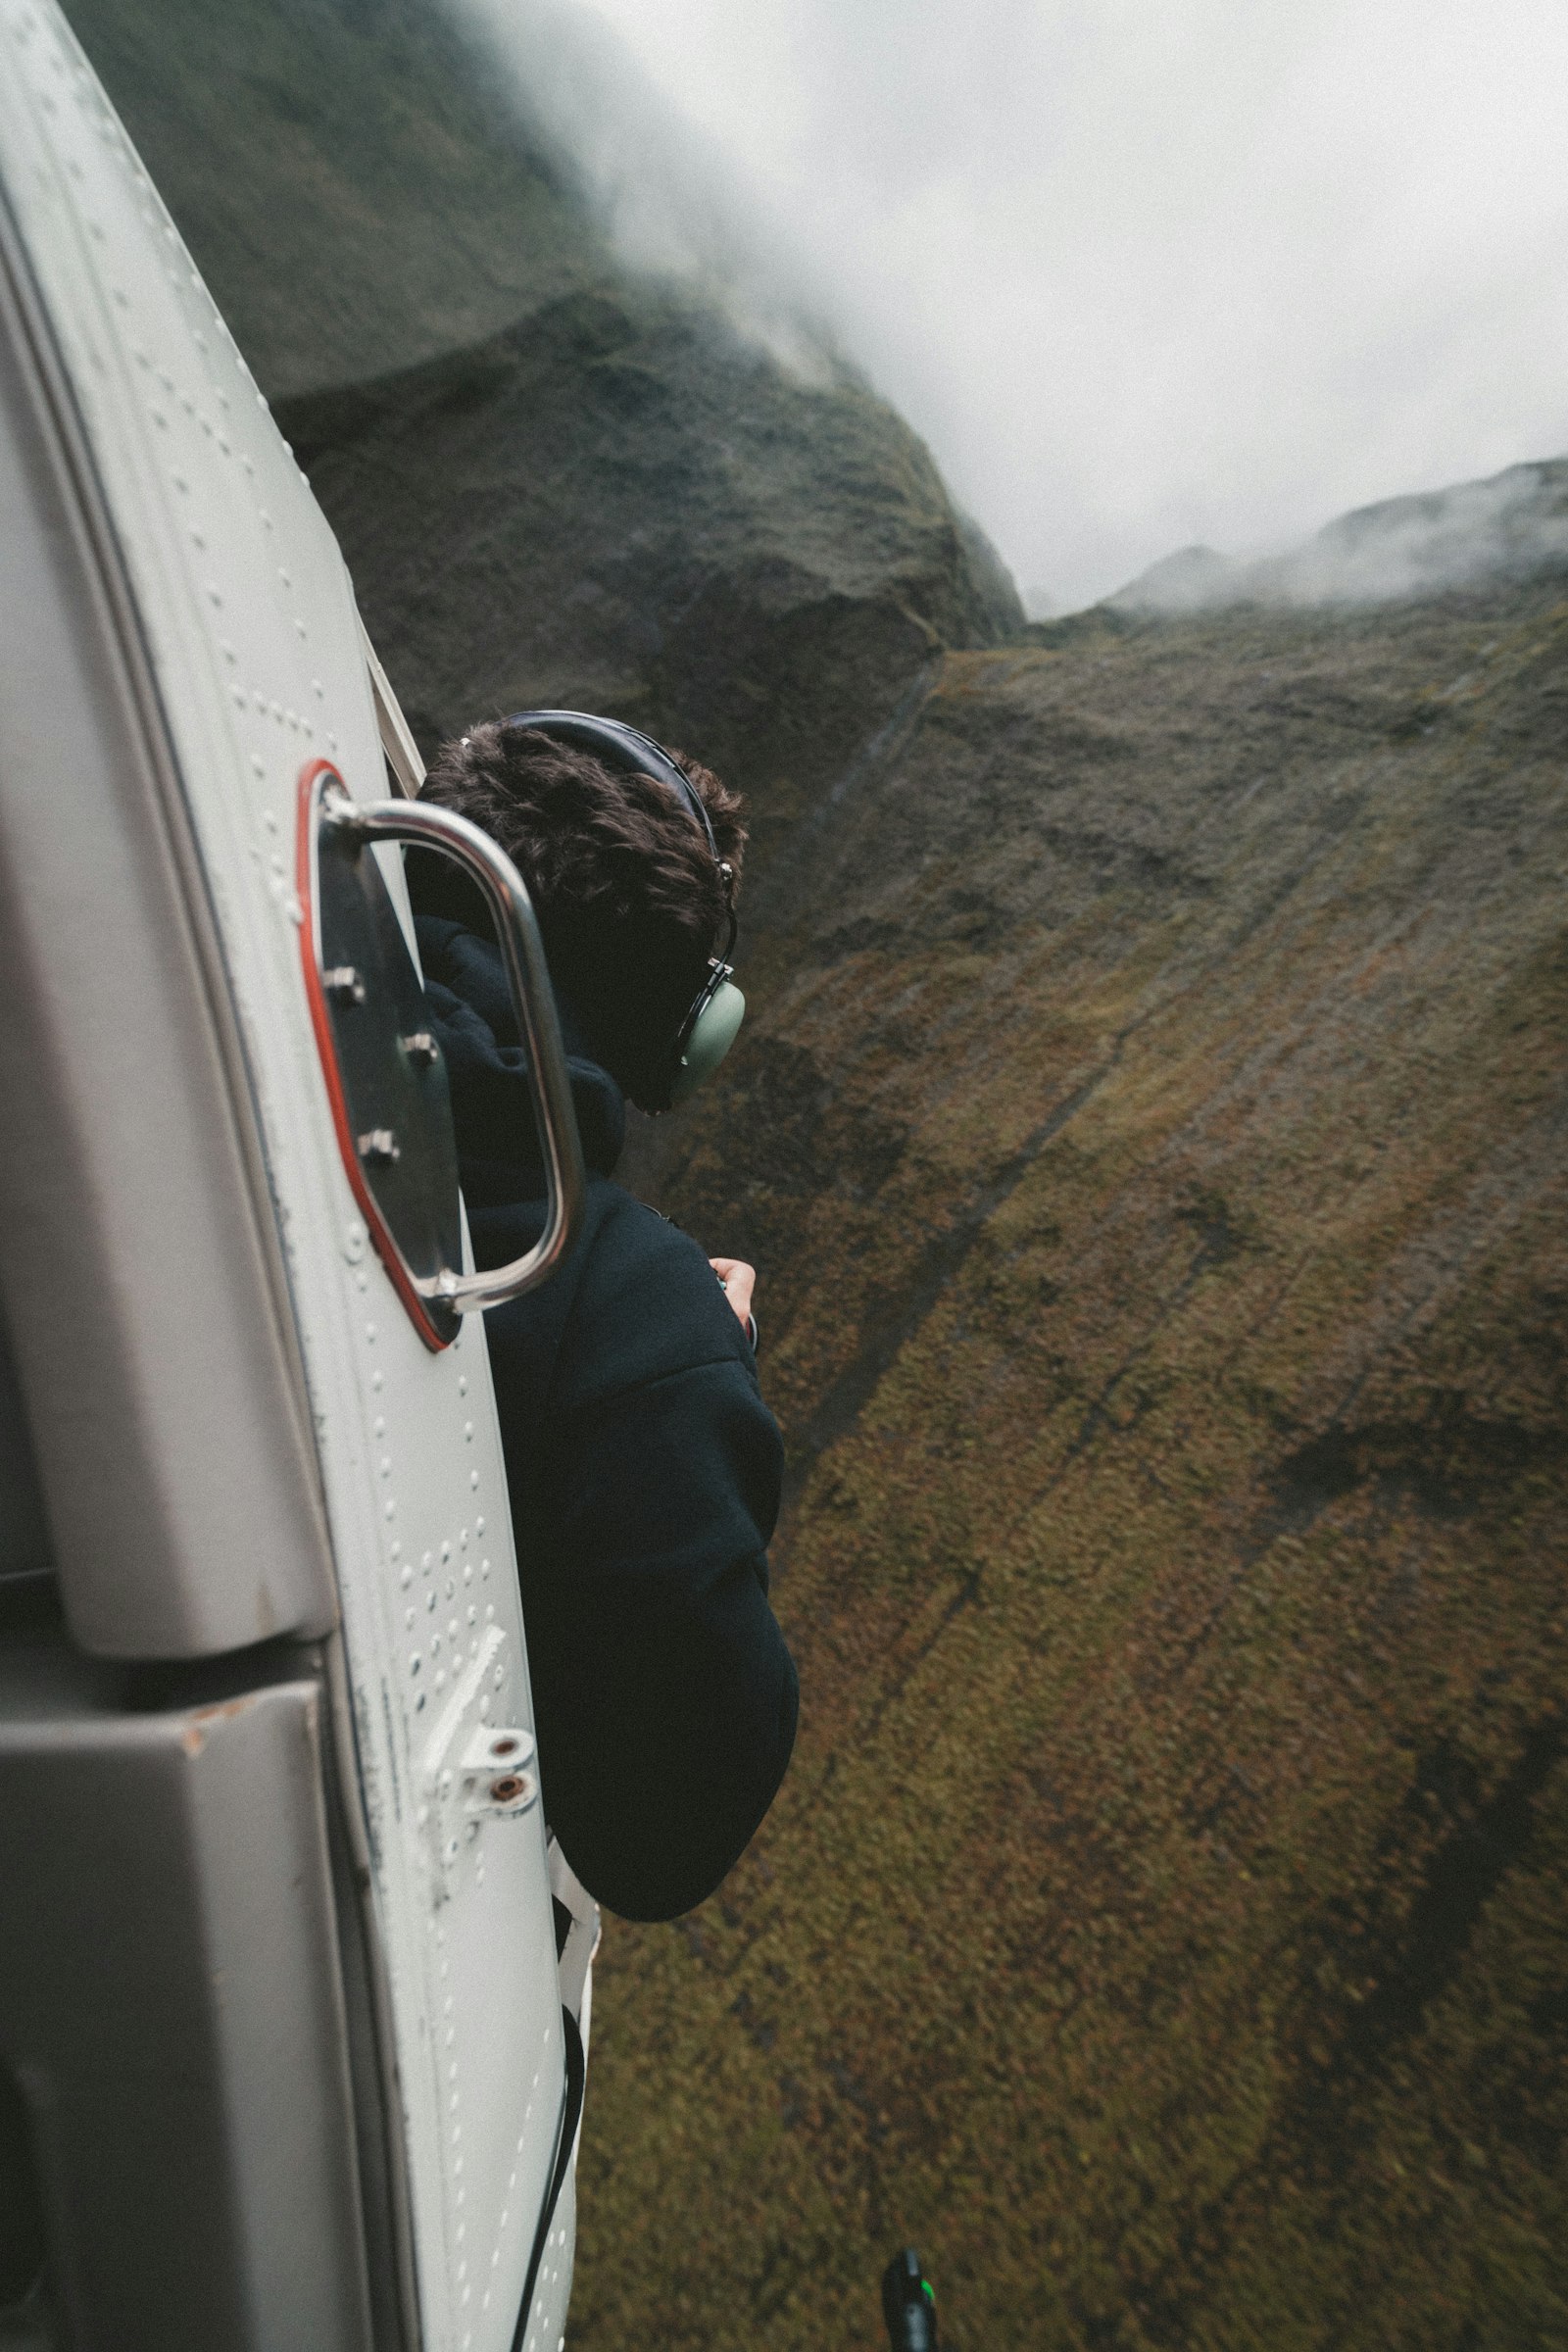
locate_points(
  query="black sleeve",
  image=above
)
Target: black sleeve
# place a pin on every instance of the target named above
(664, 1696)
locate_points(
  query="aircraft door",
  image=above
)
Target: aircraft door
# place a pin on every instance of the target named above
(306, 1458)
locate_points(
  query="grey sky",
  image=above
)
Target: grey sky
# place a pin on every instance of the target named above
(1148, 273)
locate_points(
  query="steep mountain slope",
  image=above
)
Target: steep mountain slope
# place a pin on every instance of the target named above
(1151, 1129)
(1154, 1139)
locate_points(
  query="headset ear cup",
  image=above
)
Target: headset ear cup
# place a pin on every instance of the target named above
(712, 1034)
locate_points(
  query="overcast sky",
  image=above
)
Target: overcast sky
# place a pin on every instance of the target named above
(1151, 272)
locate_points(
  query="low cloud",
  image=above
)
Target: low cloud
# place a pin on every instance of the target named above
(1512, 527)
(1142, 278)
(670, 201)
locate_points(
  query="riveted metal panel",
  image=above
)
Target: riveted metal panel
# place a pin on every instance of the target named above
(254, 653)
(169, 2003)
(183, 1503)
(25, 1546)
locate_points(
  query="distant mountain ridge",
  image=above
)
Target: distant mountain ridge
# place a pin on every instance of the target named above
(1511, 527)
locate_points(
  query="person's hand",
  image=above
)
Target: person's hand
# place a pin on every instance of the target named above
(739, 1281)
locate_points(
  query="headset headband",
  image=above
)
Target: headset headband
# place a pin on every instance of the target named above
(626, 748)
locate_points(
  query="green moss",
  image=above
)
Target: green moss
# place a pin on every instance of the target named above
(1162, 1922)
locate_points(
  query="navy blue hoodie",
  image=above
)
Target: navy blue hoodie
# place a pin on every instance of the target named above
(644, 1470)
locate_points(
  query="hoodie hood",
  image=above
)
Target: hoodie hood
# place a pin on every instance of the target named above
(487, 1070)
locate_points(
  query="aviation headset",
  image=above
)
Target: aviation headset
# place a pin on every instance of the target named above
(711, 1021)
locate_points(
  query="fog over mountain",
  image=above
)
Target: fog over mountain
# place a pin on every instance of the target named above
(1512, 527)
(1142, 278)
(671, 201)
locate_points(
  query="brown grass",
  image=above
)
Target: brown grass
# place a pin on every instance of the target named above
(1153, 1141)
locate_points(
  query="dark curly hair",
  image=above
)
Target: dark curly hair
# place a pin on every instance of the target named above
(628, 898)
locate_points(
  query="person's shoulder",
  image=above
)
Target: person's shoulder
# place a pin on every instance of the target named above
(639, 1253)
(649, 1304)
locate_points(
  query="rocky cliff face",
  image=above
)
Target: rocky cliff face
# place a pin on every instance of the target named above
(619, 505)
(553, 482)
(1151, 1130)
(347, 176)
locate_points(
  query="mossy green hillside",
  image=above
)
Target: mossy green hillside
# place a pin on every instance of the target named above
(1155, 1150)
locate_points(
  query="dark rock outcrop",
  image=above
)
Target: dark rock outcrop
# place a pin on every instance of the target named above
(347, 174)
(620, 505)
(553, 482)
